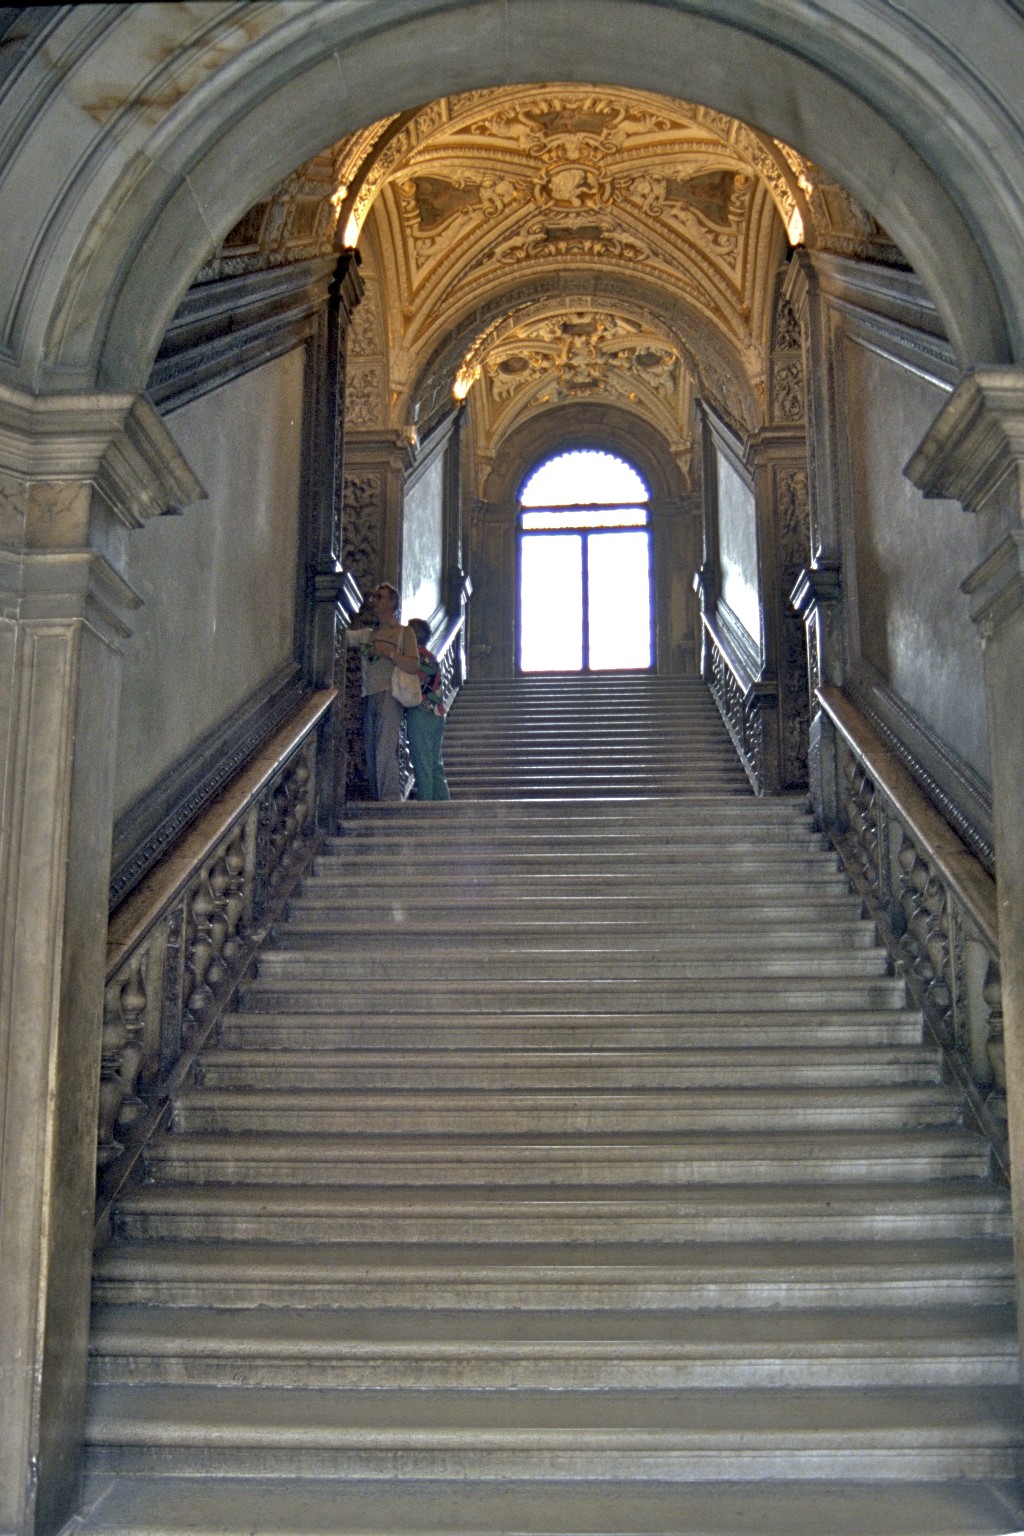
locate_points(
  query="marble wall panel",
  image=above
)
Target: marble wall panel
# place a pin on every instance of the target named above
(911, 620)
(737, 547)
(423, 542)
(219, 582)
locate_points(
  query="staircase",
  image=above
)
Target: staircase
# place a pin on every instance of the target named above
(570, 1165)
(614, 735)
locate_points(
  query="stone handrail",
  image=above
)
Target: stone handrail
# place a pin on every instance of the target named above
(934, 905)
(744, 703)
(179, 944)
(448, 651)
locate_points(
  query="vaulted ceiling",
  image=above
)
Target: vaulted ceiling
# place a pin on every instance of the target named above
(524, 246)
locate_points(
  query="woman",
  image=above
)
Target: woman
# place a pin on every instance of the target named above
(387, 645)
(425, 724)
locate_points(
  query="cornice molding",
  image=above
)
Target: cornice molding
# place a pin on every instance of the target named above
(816, 586)
(115, 442)
(43, 588)
(976, 442)
(996, 586)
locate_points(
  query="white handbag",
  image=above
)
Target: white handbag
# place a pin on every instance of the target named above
(405, 687)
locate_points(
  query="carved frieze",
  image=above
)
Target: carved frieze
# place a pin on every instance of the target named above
(362, 510)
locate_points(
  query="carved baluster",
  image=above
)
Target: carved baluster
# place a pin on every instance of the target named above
(219, 880)
(234, 899)
(201, 949)
(122, 1055)
(992, 992)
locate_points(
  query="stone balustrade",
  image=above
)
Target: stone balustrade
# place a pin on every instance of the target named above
(934, 905)
(180, 943)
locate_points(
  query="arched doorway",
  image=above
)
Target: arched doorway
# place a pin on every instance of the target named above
(584, 566)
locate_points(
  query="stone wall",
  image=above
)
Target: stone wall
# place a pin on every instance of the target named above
(218, 583)
(909, 621)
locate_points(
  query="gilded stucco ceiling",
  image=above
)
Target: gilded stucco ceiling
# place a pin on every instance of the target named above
(525, 246)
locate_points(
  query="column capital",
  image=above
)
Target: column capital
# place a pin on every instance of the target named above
(976, 443)
(334, 584)
(816, 586)
(114, 442)
(43, 588)
(996, 586)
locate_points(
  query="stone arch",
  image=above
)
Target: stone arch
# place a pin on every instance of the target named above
(675, 519)
(157, 177)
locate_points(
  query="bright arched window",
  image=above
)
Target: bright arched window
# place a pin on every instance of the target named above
(584, 566)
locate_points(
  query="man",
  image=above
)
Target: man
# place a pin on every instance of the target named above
(382, 713)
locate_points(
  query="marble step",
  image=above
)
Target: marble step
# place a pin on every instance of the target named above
(677, 1160)
(563, 1071)
(702, 862)
(388, 1349)
(559, 1031)
(635, 1277)
(471, 1112)
(446, 881)
(538, 1213)
(720, 846)
(226, 1506)
(308, 923)
(628, 837)
(689, 811)
(701, 992)
(524, 967)
(593, 781)
(748, 908)
(725, 1434)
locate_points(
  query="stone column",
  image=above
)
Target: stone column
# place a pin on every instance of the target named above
(76, 474)
(974, 454)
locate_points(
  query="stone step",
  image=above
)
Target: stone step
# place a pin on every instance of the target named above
(427, 1030)
(670, 814)
(559, 1276)
(564, 836)
(720, 844)
(686, 744)
(491, 1161)
(226, 1506)
(308, 924)
(538, 1213)
(525, 967)
(725, 1434)
(563, 1071)
(681, 886)
(282, 1347)
(534, 783)
(705, 865)
(471, 1112)
(700, 992)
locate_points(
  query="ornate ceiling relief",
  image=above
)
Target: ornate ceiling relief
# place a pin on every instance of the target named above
(558, 242)
(543, 180)
(587, 354)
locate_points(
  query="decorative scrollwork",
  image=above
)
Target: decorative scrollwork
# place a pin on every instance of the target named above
(741, 709)
(930, 934)
(162, 995)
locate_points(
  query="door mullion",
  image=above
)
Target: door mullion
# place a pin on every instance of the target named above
(585, 577)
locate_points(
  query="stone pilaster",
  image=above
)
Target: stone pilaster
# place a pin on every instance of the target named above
(815, 597)
(777, 459)
(335, 593)
(817, 594)
(492, 635)
(77, 473)
(974, 453)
